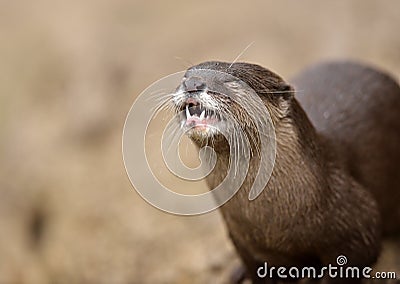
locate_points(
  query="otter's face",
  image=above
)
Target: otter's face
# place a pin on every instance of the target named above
(216, 97)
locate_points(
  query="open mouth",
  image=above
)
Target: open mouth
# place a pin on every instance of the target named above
(198, 116)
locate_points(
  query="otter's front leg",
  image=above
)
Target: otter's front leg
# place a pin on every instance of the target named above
(259, 270)
(251, 265)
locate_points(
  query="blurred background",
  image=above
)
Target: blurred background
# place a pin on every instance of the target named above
(69, 72)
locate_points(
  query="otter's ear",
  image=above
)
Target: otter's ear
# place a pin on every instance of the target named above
(285, 91)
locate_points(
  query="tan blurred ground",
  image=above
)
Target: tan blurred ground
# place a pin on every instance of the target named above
(69, 72)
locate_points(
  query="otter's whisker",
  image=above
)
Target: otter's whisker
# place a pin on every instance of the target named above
(241, 53)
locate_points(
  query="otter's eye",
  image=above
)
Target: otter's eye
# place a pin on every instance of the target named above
(232, 85)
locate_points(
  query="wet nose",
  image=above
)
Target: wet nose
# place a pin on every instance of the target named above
(194, 84)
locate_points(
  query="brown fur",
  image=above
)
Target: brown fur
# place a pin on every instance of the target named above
(358, 108)
(318, 203)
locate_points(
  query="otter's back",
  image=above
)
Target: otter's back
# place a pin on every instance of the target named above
(358, 109)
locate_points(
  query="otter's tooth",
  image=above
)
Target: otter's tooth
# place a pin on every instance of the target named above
(203, 113)
(187, 112)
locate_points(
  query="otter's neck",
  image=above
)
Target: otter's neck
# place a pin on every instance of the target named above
(299, 177)
(303, 159)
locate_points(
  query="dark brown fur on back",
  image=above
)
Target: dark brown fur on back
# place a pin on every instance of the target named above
(358, 109)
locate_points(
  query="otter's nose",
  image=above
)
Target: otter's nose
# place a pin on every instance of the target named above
(194, 84)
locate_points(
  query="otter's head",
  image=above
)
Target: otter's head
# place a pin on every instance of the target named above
(212, 94)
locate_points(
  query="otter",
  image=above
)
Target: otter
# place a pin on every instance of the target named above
(335, 185)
